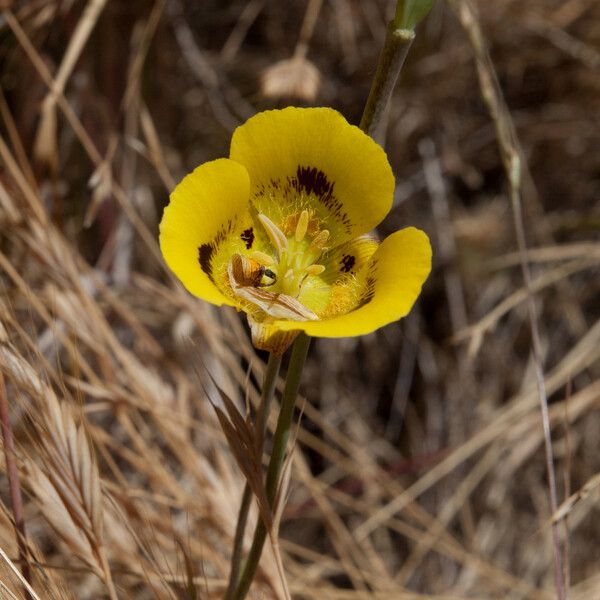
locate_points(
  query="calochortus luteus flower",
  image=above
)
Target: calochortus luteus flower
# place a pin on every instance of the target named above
(279, 230)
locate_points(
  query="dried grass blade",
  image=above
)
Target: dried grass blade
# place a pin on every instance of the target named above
(246, 460)
(567, 506)
(45, 148)
(16, 571)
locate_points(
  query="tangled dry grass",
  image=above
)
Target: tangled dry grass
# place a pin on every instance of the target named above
(419, 467)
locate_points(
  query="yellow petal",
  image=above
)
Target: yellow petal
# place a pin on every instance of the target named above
(208, 206)
(398, 270)
(311, 158)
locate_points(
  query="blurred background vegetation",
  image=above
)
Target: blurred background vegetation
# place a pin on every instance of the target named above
(419, 467)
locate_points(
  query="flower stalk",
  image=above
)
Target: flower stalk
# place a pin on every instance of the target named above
(398, 40)
(280, 440)
(395, 49)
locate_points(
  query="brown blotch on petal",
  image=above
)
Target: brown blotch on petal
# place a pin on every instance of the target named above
(207, 250)
(348, 261)
(205, 253)
(312, 180)
(247, 236)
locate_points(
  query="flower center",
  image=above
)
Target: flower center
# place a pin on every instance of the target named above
(273, 283)
(297, 255)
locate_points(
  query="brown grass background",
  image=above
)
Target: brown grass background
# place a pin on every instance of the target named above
(419, 467)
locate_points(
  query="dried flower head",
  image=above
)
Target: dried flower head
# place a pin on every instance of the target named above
(296, 77)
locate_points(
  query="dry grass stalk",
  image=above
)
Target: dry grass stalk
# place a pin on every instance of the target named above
(66, 483)
(580, 358)
(15, 570)
(45, 147)
(569, 504)
(512, 157)
(16, 499)
(82, 135)
(15, 138)
(241, 438)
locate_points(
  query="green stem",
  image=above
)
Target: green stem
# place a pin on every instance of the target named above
(280, 439)
(268, 389)
(396, 46)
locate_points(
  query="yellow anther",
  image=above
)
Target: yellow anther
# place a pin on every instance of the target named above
(320, 240)
(289, 274)
(275, 234)
(314, 269)
(262, 257)
(301, 226)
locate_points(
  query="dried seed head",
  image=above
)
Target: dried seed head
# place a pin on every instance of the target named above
(292, 78)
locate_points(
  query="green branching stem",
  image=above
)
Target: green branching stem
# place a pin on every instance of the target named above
(268, 389)
(280, 440)
(399, 37)
(396, 47)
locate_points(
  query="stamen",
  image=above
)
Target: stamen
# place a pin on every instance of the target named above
(319, 241)
(275, 234)
(314, 269)
(262, 257)
(301, 226)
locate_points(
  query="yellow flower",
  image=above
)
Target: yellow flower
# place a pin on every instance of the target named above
(279, 228)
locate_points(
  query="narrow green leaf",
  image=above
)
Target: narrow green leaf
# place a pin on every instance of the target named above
(410, 12)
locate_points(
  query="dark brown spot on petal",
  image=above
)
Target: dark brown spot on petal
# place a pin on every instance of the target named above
(347, 263)
(247, 237)
(308, 181)
(311, 180)
(205, 253)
